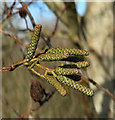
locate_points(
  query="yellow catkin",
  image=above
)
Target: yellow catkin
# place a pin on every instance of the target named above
(75, 85)
(52, 80)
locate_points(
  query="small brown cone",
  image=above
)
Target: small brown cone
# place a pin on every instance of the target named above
(36, 91)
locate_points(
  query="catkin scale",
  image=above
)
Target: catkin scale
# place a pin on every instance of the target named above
(34, 41)
(70, 51)
(52, 80)
(75, 85)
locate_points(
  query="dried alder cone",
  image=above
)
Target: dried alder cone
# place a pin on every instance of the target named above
(36, 91)
(58, 76)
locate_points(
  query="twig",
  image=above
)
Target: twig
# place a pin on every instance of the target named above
(13, 66)
(47, 41)
(29, 14)
(11, 8)
(33, 23)
(18, 40)
(30, 111)
(56, 24)
(14, 37)
(27, 25)
(101, 88)
(8, 17)
(9, 14)
(55, 28)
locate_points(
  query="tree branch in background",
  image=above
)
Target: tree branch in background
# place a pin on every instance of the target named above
(9, 14)
(15, 38)
(68, 15)
(11, 8)
(101, 88)
(18, 40)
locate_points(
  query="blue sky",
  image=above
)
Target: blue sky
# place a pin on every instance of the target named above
(81, 7)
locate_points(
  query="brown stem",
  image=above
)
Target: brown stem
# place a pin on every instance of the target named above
(11, 8)
(18, 40)
(14, 37)
(8, 17)
(29, 112)
(101, 88)
(13, 66)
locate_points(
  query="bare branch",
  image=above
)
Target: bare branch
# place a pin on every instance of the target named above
(18, 40)
(101, 88)
(13, 66)
(14, 37)
(11, 15)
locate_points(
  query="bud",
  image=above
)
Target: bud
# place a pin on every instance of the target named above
(53, 81)
(70, 51)
(75, 85)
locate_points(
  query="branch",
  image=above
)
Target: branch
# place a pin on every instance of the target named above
(11, 8)
(18, 40)
(30, 111)
(101, 88)
(13, 66)
(14, 37)
(8, 17)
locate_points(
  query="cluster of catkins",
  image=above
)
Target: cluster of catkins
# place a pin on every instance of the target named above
(61, 73)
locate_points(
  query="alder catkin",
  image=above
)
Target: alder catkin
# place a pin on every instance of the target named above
(75, 85)
(53, 81)
(52, 57)
(66, 71)
(34, 41)
(70, 51)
